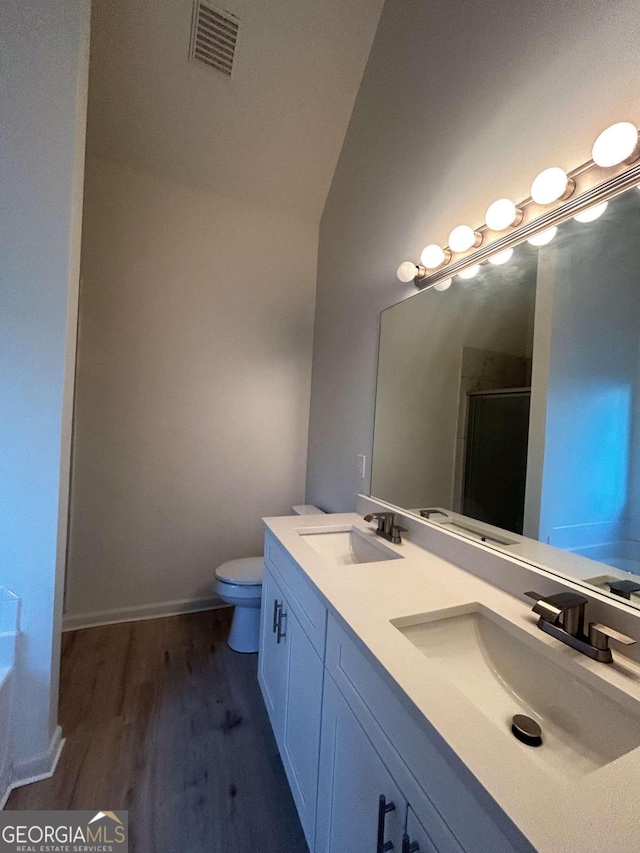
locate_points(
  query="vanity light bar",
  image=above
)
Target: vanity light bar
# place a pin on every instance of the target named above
(615, 148)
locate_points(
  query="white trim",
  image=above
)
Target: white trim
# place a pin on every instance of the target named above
(137, 614)
(36, 769)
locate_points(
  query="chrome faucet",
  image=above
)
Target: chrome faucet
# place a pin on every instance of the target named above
(427, 513)
(387, 527)
(562, 617)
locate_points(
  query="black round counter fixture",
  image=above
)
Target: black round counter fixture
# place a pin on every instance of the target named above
(526, 730)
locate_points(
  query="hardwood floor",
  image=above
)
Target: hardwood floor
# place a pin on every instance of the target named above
(163, 719)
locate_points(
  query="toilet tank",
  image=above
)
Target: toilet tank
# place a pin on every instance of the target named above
(307, 509)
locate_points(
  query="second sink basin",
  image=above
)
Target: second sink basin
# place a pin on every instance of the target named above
(502, 674)
(347, 546)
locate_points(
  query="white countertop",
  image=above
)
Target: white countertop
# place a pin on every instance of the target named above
(599, 811)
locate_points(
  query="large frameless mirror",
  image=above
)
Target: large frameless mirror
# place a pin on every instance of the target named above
(508, 405)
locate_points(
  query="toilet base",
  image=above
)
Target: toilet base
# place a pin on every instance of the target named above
(244, 635)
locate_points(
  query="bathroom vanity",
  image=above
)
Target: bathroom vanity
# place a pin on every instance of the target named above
(391, 676)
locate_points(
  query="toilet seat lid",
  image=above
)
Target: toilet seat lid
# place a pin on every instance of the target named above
(245, 571)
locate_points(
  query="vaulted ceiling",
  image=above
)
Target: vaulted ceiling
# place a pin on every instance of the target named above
(269, 135)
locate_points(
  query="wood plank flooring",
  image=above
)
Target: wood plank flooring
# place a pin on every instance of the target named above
(163, 719)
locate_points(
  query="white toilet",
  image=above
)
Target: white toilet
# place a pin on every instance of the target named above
(239, 582)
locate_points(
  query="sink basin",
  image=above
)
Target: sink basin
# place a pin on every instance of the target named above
(347, 546)
(501, 674)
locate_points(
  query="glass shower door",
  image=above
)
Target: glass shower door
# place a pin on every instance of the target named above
(496, 457)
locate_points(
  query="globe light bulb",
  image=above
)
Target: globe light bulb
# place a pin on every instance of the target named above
(443, 285)
(617, 144)
(502, 214)
(407, 271)
(470, 272)
(543, 237)
(433, 256)
(463, 237)
(501, 258)
(591, 213)
(551, 185)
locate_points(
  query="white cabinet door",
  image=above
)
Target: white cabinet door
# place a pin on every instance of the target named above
(353, 778)
(272, 659)
(291, 675)
(303, 711)
(446, 807)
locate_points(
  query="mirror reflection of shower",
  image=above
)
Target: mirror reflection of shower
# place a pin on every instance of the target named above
(495, 457)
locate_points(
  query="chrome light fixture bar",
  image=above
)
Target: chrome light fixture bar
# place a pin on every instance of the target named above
(586, 186)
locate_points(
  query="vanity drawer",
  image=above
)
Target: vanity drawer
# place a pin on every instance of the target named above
(302, 598)
(438, 788)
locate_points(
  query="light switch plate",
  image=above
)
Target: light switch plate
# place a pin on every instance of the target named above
(362, 466)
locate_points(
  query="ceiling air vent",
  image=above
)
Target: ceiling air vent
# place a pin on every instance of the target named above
(214, 37)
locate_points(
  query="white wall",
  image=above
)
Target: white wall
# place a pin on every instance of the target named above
(44, 71)
(196, 321)
(461, 103)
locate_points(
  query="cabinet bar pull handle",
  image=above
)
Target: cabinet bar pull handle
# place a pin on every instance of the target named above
(276, 607)
(280, 633)
(409, 846)
(383, 809)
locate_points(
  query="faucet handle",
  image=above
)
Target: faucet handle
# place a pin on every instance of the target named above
(565, 609)
(544, 608)
(394, 534)
(623, 588)
(599, 636)
(385, 520)
(560, 601)
(380, 516)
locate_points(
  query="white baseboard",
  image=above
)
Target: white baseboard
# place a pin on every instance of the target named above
(35, 769)
(137, 614)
